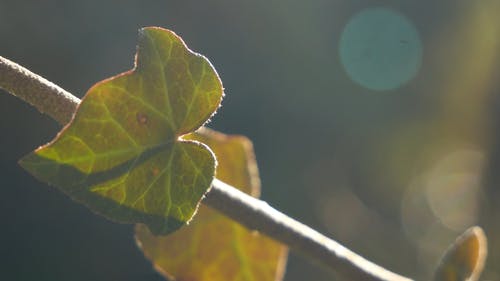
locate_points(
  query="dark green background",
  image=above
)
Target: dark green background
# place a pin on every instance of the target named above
(316, 133)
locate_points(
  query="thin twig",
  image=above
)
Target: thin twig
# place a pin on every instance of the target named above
(46, 96)
(250, 212)
(257, 214)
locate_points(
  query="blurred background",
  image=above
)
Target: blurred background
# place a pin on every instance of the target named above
(374, 122)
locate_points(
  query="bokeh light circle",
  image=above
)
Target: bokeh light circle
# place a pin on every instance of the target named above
(380, 49)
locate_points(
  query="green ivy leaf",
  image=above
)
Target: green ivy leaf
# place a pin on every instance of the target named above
(464, 260)
(123, 154)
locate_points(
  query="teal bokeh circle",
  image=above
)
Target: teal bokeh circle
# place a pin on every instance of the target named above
(380, 49)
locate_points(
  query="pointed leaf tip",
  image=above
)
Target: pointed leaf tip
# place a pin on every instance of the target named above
(465, 258)
(122, 155)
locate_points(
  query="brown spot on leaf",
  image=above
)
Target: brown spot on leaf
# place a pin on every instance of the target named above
(142, 118)
(156, 171)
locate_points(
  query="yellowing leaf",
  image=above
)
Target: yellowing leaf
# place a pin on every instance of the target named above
(212, 247)
(465, 258)
(123, 154)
